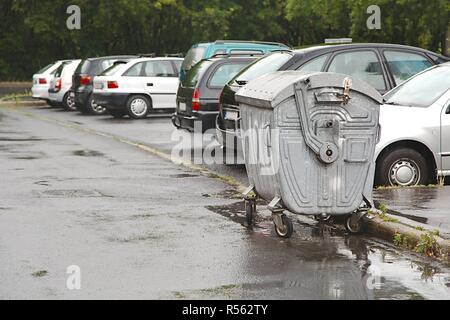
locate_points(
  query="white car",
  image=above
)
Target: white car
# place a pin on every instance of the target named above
(414, 147)
(61, 84)
(136, 87)
(41, 81)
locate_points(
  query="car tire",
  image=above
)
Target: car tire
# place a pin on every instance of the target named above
(93, 108)
(117, 114)
(67, 103)
(404, 167)
(138, 107)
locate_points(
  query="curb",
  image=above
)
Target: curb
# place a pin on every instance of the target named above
(409, 236)
(376, 226)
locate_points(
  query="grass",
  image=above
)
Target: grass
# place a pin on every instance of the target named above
(16, 96)
(402, 240)
(428, 244)
(438, 185)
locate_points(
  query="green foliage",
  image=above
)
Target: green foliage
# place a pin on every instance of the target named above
(428, 245)
(33, 33)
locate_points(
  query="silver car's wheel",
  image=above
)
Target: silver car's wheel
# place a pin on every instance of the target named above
(96, 108)
(138, 107)
(404, 173)
(404, 167)
(70, 103)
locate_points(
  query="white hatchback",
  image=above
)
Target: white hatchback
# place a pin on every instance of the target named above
(136, 87)
(61, 84)
(42, 79)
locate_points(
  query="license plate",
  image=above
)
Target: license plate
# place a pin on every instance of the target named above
(231, 115)
(98, 85)
(182, 106)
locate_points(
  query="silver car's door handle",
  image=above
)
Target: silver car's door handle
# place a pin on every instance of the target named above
(149, 84)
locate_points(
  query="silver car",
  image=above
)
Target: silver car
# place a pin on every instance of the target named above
(414, 147)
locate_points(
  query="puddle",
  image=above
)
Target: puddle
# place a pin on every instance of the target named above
(88, 153)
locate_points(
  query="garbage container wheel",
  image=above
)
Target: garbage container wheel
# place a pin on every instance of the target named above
(250, 211)
(286, 229)
(354, 225)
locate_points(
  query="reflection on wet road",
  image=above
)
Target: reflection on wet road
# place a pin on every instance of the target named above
(141, 227)
(428, 205)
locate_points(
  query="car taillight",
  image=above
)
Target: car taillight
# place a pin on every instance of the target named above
(113, 85)
(196, 100)
(85, 80)
(42, 81)
(58, 84)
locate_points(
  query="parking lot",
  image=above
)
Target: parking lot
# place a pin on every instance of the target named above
(103, 194)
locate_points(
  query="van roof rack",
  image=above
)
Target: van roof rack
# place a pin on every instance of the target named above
(174, 55)
(237, 54)
(147, 55)
(251, 41)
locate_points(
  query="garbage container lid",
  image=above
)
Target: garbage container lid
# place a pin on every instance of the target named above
(271, 89)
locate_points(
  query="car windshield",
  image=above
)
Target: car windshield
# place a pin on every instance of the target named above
(422, 90)
(267, 64)
(195, 74)
(193, 57)
(113, 69)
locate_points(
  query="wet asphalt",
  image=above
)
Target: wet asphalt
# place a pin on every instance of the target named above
(141, 227)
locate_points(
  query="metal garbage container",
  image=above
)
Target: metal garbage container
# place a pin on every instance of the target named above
(308, 144)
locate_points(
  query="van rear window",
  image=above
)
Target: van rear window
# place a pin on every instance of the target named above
(194, 56)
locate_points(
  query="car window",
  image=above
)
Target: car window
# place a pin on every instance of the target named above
(314, 65)
(364, 65)
(135, 70)
(193, 56)
(266, 64)
(84, 67)
(223, 74)
(113, 69)
(194, 75)
(105, 64)
(422, 90)
(45, 68)
(178, 64)
(59, 70)
(159, 69)
(404, 65)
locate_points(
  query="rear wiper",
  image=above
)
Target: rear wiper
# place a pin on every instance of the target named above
(392, 103)
(241, 82)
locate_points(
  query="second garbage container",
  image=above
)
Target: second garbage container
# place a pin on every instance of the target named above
(309, 143)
